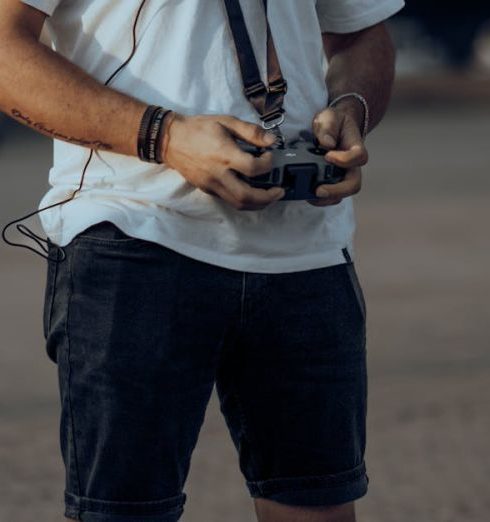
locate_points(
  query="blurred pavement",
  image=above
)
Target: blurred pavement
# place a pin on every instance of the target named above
(423, 257)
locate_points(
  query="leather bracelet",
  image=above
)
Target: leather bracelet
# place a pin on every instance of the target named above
(154, 136)
(149, 135)
(363, 102)
(169, 119)
(143, 130)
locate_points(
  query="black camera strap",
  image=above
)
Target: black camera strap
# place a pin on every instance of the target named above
(267, 100)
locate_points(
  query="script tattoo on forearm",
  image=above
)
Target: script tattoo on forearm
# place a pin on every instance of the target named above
(96, 144)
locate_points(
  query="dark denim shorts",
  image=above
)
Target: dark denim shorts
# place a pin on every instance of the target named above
(141, 334)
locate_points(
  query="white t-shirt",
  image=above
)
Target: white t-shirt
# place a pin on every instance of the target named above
(186, 61)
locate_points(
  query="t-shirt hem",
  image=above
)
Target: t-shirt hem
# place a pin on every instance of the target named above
(382, 11)
(332, 256)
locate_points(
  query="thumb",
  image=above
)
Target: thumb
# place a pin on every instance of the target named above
(326, 128)
(249, 132)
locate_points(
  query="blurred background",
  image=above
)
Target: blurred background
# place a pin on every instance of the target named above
(423, 257)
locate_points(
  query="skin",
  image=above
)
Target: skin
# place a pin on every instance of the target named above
(58, 99)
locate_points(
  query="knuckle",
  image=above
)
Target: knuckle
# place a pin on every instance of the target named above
(239, 206)
(225, 160)
(257, 132)
(242, 196)
(325, 122)
(249, 166)
(211, 182)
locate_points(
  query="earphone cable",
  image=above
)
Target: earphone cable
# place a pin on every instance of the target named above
(43, 243)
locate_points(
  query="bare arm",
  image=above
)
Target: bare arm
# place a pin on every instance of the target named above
(361, 62)
(42, 89)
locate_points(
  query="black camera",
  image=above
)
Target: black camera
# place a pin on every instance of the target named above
(298, 166)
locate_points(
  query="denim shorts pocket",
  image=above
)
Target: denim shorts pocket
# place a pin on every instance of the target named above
(50, 289)
(356, 287)
(108, 234)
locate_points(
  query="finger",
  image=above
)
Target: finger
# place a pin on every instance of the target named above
(324, 202)
(356, 156)
(250, 165)
(247, 196)
(248, 132)
(326, 128)
(351, 151)
(351, 185)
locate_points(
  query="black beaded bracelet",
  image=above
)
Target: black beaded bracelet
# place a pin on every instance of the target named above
(149, 135)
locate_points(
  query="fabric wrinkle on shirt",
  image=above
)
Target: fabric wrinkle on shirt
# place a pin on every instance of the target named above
(186, 61)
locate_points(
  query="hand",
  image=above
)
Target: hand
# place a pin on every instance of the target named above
(337, 130)
(203, 149)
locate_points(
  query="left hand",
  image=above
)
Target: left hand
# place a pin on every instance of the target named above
(338, 130)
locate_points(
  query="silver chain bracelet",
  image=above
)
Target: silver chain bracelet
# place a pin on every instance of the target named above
(363, 102)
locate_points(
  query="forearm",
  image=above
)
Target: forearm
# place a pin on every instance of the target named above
(43, 90)
(362, 62)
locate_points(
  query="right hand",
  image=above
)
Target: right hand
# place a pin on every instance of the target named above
(203, 149)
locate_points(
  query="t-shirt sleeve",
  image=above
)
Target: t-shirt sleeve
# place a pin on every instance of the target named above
(46, 6)
(348, 16)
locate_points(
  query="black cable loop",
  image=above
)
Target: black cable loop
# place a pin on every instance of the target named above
(25, 230)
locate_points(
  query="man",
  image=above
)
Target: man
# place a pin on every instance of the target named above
(167, 278)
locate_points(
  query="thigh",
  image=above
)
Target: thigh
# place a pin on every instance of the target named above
(136, 342)
(294, 393)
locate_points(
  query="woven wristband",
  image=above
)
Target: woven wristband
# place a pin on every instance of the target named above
(150, 133)
(363, 102)
(153, 140)
(143, 130)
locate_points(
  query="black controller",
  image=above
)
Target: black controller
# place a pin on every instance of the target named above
(299, 167)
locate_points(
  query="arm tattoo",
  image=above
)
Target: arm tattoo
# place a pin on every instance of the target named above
(58, 135)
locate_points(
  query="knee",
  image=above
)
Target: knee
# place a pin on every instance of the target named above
(270, 511)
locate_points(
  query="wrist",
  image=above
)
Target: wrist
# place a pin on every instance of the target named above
(354, 106)
(352, 109)
(167, 123)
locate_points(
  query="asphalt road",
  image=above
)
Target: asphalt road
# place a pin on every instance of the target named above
(423, 257)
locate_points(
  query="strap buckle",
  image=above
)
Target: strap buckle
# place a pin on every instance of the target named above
(278, 87)
(255, 89)
(273, 120)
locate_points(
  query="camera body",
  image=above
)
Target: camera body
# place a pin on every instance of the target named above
(299, 167)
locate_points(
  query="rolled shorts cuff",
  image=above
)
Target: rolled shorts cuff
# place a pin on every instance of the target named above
(95, 510)
(320, 490)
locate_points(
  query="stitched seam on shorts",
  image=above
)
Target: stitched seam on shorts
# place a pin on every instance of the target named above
(91, 240)
(242, 300)
(92, 505)
(53, 292)
(332, 481)
(72, 421)
(356, 287)
(244, 431)
(320, 487)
